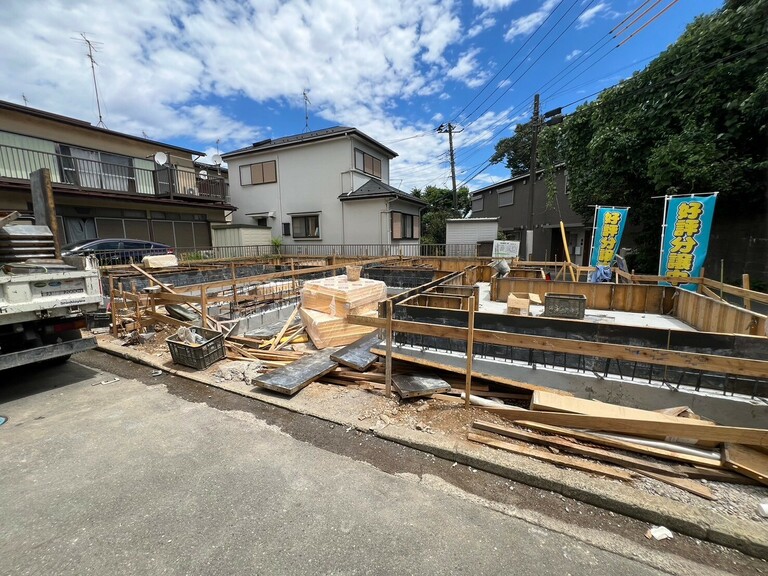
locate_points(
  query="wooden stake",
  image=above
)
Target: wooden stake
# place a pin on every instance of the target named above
(470, 348)
(388, 363)
(204, 305)
(745, 285)
(234, 283)
(567, 252)
(112, 305)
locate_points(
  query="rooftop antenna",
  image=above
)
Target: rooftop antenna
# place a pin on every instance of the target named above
(24, 97)
(306, 110)
(92, 47)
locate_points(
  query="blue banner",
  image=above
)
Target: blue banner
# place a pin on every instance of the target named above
(609, 226)
(686, 237)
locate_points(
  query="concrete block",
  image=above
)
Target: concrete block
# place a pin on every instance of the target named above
(161, 261)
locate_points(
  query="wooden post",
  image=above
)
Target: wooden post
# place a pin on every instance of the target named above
(112, 305)
(745, 285)
(136, 305)
(700, 285)
(43, 205)
(204, 305)
(388, 360)
(293, 276)
(234, 283)
(722, 273)
(470, 347)
(567, 252)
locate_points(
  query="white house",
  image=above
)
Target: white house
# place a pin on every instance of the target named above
(323, 187)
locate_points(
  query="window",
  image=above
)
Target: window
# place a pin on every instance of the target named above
(306, 226)
(286, 228)
(259, 173)
(405, 226)
(477, 204)
(507, 197)
(92, 169)
(367, 163)
(261, 221)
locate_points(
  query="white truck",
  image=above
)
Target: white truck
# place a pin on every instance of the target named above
(43, 299)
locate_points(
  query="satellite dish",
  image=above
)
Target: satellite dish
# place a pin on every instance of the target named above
(216, 159)
(161, 158)
(203, 174)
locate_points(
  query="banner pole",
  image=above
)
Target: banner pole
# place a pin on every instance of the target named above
(663, 230)
(594, 233)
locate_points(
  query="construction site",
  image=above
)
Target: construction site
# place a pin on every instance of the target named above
(609, 390)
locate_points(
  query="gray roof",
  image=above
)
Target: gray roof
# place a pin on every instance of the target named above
(314, 136)
(378, 189)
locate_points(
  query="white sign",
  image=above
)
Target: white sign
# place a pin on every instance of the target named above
(506, 248)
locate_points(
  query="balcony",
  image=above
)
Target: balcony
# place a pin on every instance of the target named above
(121, 176)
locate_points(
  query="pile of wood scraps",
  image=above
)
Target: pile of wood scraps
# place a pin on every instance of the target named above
(673, 446)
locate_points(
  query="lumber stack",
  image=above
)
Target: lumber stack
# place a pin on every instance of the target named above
(672, 446)
(326, 303)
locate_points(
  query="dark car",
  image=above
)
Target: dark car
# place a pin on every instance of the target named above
(113, 251)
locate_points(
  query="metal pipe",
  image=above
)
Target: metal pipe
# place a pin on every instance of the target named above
(681, 449)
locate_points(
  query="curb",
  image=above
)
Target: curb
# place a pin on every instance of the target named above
(714, 527)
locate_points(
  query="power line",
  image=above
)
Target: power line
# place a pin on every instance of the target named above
(488, 83)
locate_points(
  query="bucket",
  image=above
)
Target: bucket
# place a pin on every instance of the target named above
(353, 273)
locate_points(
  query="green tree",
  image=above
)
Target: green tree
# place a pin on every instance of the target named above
(515, 151)
(439, 209)
(693, 121)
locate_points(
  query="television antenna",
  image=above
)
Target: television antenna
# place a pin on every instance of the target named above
(306, 110)
(24, 97)
(93, 47)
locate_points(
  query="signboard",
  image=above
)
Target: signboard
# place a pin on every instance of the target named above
(606, 236)
(506, 248)
(685, 236)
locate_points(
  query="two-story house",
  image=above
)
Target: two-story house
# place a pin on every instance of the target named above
(328, 187)
(107, 184)
(509, 200)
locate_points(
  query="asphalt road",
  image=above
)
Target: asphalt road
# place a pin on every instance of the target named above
(152, 476)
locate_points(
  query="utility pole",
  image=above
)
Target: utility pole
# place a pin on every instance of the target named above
(535, 121)
(443, 128)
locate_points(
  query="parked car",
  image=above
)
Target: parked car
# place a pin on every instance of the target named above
(114, 251)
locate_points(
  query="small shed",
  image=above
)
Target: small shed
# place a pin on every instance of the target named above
(462, 235)
(240, 235)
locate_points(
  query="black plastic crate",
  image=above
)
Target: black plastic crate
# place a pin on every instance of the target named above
(198, 356)
(565, 305)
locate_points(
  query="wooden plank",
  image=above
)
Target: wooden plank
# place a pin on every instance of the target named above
(737, 291)
(417, 385)
(749, 436)
(8, 218)
(458, 370)
(743, 460)
(715, 475)
(678, 359)
(592, 467)
(548, 402)
(388, 353)
(280, 334)
(686, 484)
(358, 355)
(298, 374)
(624, 445)
(580, 449)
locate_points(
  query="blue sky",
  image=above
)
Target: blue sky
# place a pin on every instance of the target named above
(192, 73)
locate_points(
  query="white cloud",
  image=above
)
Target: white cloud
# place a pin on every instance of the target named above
(172, 69)
(466, 69)
(573, 54)
(493, 5)
(591, 13)
(525, 25)
(480, 26)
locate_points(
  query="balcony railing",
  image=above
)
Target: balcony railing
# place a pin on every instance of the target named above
(94, 175)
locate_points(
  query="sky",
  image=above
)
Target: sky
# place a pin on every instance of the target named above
(218, 75)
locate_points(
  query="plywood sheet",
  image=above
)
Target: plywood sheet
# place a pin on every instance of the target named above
(747, 461)
(293, 377)
(415, 385)
(358, 355)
